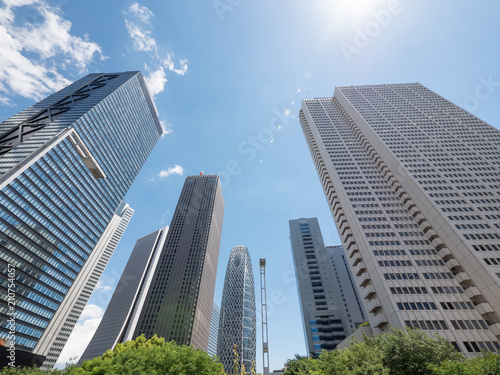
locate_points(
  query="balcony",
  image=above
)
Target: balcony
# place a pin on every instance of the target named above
(472, 292)
(444, 252)
(461, 277)
(364, 279)
(356, 259)
(353, 250)
(452, 263)
(484, 308)
(378, 320)
(495, 328)
(373, 305)
(437, 242)
(359, 269)
(367, 292)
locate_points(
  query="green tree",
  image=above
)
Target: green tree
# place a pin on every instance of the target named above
(358, 359)
(301, 365)
(487, 364)
(141, 357)
(410, 351)
(152, 357)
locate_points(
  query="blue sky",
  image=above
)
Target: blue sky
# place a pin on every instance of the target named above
(228, 78)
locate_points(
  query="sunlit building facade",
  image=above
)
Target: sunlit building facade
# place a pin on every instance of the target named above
(65, 166)
(413, 184)
(237, 327)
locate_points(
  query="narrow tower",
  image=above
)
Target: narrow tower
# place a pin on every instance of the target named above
(237, 313)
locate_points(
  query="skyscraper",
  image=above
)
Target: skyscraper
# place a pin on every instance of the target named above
(167, 287)
(412, 181)
(65, 166)
(214, 331)
(237, 327)
(121, 316)
(329, 301)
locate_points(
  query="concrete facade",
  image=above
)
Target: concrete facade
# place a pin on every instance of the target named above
(411, 180)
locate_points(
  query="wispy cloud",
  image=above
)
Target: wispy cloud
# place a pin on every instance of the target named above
(176, 169)
(82, 334)
(37, 48)
(101, 286)
(166, 127)
(141, 38)
(140, 30)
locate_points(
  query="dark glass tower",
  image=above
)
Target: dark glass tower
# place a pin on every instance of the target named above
(237, 312)
(179, 302)
(65, 166)
(168, 285)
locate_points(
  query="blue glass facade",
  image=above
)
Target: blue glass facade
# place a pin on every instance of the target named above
(214, 331)
(61, 185)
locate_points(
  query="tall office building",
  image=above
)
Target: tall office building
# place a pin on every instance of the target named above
(167, 287)
(121, 316)
(237, 327)
(329, 301)
(412, 181)
(214, 330)
(65, 166)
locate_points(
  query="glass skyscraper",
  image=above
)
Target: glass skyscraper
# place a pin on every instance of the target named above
(413, 184)
(167, 288)
(65, 166)
(237, 327)
(214, 330)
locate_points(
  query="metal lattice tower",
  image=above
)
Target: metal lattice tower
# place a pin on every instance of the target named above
(263, 311)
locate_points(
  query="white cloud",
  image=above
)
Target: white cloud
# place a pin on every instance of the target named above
(142, 12)
(156, 81)
(100, 286)
(141, 38)
(35, 48)
(137, 22)
(166, 127)
(176, 169)
(82, 334)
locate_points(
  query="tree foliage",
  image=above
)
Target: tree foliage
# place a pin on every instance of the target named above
(407, 351)
(410, 352)
(487, 364)
(142, 356)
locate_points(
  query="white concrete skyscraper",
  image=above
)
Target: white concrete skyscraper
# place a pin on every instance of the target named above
(413, 184)
(237, 312)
